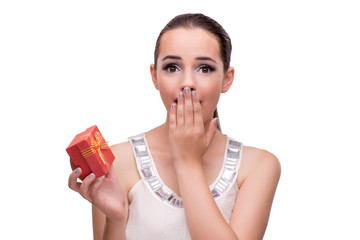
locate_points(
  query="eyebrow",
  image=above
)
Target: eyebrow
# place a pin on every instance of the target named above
(198, 58)
(171, 57)
(205, 59)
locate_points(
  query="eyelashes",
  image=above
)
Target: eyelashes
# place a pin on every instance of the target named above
(171, 68)
(206, 68)
(203, 68)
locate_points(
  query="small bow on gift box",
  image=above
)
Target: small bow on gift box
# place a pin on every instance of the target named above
(95, 146)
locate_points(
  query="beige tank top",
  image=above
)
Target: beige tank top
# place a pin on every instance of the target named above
(156, 212)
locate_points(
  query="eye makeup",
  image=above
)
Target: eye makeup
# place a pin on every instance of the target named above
(171, 67)
(206, 68)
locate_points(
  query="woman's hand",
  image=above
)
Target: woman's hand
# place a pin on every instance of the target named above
(105, 193)
(187, 136)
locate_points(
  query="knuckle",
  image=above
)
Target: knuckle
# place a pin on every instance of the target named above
(188, 111)
(188, 133)
(198, 133)
(177, 134)
(92, 195)
(83, 193)
(83, 190)
(70, 185)
(71, 182)
(197, 110)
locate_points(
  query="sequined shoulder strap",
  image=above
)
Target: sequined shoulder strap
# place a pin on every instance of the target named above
(159, 190)
(228, 174)
(149, 174)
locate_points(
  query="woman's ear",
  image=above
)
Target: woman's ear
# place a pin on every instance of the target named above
(228, 80)
(154, 76)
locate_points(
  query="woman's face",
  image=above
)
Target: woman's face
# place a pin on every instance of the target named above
(191, 58)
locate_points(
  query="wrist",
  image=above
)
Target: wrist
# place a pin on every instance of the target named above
(114, 229)
(115, 222)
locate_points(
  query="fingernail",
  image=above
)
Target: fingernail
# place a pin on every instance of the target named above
(173, 106)
(181, 95)
(98, 180)
(91, 175)
(187, 90)
(77, 170)
(193, 94)
(216, 122)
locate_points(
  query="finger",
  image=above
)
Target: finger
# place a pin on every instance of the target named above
(111, 172)
(188, 109)
(180, 112)
(172, 117)
(73, 183)
(95, 188)
(198, 118)
(212, 130)
(84, 188)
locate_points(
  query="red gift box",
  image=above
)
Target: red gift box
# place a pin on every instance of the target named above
(90, 152)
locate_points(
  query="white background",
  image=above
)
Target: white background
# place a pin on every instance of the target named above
(66, 65)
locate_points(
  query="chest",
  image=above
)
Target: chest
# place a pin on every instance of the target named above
(211, 163)
(154, 163)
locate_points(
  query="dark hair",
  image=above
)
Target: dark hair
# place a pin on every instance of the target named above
(198, 20)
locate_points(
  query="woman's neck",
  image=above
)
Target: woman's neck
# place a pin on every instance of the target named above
(159, 136)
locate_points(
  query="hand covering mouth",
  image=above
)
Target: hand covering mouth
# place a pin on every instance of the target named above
(176, 101)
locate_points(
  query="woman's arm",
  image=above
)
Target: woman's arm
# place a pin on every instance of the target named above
(253, 202)
(104, 228)
(108, 195)
(98, 221)
(260, 172)
(188, 143)
(204, 218)
(126, 172)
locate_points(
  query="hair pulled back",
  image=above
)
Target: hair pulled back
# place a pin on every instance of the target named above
(198, 20)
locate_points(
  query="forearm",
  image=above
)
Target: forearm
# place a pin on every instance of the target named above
(204, 218)
(114, 230)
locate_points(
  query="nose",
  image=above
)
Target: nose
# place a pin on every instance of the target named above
(189, 81)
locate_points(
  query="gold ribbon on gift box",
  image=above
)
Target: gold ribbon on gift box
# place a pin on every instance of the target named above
(95, 146)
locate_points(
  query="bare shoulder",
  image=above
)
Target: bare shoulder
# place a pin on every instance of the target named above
(257, 156)
(259, 162)
(125, 164)
(257, 180)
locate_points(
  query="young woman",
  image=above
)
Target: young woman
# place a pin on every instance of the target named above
(185, 179)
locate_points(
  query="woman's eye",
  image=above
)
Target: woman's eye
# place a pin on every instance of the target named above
(206, 69)
(171, 68)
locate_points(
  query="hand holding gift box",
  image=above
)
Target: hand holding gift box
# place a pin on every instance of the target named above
(90, 152)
